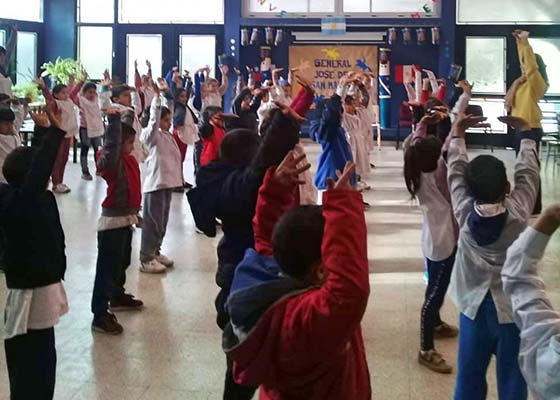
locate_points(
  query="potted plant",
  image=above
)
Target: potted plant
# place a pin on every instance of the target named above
(62, 69)
(28, 89)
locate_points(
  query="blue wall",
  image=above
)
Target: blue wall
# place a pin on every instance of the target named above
(59, 29)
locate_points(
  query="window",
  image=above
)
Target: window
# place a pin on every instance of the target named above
(25, 10)
(142, 48)
(549, 49)
(3, 38)
(26, 57)
(289, 6)
(492, 109)
(516, 12)
(197, 51)
(171, 11)
(96, 11)
(486, 64)
(95, 49)
(391, 7)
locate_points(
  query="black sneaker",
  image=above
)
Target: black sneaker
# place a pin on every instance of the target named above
(126, 302)
(108, 324)
(86, 176)
(187, 186)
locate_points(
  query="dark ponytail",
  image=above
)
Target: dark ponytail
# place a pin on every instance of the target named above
(422, 156)
(542, 68)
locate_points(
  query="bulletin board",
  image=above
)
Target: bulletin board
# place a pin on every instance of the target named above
(325, 65)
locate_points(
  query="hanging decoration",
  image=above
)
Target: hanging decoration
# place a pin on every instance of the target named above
(407, 36)
(392, 36)
(244, 37)
(420, 36)
(279, 37)
(269, 36)
(436, 36)
(254, 37)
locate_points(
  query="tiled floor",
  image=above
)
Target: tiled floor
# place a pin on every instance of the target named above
(171, 350)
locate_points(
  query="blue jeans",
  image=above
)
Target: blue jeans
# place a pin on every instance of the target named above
(478, 340)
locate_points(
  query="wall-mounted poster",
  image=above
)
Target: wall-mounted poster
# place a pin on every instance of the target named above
(325, 65)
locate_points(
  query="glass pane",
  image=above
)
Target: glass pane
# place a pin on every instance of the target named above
(549, 49)
(197, 52)
(492, 109)
(25, 10)
(550, 111)
(351, 6)
(404, 6)
(322, 6)
(26, 57)
(516, 12)
(95, 49)
(486, 64)
(142, 48)
(171, 11)
(277, 6)
(96, 11)
(2, 38)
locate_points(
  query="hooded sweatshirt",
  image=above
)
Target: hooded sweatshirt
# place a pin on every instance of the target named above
(248, 119)
(488, 231)
(276, 337)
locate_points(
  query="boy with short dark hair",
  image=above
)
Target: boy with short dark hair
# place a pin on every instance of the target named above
(35, 263)
(491, 215)
(295, 317)
(118, 166)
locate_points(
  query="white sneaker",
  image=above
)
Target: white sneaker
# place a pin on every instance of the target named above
(166, 261)
(61, 188)
(361, 186)
(152, 267)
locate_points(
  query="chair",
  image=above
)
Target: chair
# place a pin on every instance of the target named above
(377, 126)
(477, 111)
(405, 121)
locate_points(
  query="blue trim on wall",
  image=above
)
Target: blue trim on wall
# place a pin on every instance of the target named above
(60, 29)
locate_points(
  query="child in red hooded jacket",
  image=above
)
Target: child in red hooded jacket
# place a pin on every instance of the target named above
(296, 303)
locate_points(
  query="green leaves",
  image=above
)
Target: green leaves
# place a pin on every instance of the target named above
(62, 69)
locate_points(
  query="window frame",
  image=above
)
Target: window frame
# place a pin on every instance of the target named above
(477, 93)
(41, 14)
(36, 56)
(338, 12)
(214, 62)
(160, 35)
(81, 22)
(79, 27)
(4, 35)
(458, 20)
(549, 68)
(121, 20)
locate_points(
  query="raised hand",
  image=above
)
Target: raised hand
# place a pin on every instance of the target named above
(224, 69)
(148, 64)
(466, 86)
(162, 85)
(40, 82)
(464, 122)
(287, 173)
(112, 111)
(136, 65)
(343, 182)
(289, 112)
(304, 82)
(40, 117)
(516, 123)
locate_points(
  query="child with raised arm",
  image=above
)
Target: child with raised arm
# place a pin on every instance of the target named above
(61, 97)
(163, 174)
(296, 305)
(144, 85)
(119, 168)
(491, 214)
(185, 123)
(209, 89)
(91, 123)
(35, 263)
(425, 174)
(227, 189)
(539, 352)
(327, 130)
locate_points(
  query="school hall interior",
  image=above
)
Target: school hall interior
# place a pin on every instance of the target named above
(171, 348)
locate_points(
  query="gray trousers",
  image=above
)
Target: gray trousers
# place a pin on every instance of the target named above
(156, 216)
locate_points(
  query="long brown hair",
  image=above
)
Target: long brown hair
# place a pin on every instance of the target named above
(421, 156)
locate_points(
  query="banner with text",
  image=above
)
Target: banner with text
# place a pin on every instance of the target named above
(325, 65)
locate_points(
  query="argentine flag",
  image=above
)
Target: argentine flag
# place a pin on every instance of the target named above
(333, 26)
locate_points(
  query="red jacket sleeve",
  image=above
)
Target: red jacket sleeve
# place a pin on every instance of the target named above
(303, 101)
(338, 306)
(424, 98)
(273, 201)
(442, 92)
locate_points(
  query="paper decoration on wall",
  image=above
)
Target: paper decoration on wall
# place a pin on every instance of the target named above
(333, 26)
(324, 66)
(406, 73)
